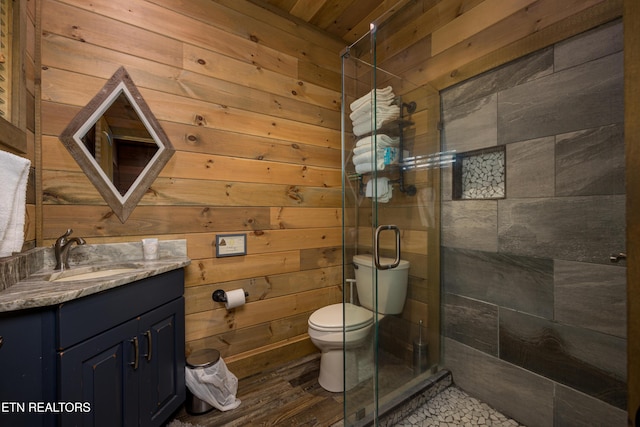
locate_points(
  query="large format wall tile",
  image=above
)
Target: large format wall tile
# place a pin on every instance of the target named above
(590, 162)
(573, 408)
(512, 390)
(446, 184)
(471, 322)
(570, 228)
(471, 126)
(477, 87)
(520, 283)
(591, 296)
(529, 68)
(525, 69)
(591, 362)
(543, 107)
(531, 168)
(599, 42)
(471, 224)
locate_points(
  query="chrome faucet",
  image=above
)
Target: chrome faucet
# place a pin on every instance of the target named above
(61, 249)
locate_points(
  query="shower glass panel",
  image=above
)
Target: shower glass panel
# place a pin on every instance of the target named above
(391, 161)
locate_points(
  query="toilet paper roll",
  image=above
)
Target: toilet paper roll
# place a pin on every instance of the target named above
(235, 298)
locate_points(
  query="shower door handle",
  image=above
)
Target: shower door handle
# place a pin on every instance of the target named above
(376, 247)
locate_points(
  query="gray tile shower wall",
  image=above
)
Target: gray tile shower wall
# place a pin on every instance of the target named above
(584, 228)
(573, 356)
(533, 310)
(582, 97)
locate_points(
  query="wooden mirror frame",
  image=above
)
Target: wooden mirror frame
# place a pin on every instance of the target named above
(119, 83)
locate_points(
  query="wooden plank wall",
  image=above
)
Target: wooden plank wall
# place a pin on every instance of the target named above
(253, 112)
(24, 114)
(251, 102)
(632, 154)
(28, 12)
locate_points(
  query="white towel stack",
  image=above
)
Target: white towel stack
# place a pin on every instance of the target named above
(382, 141)
(386, 153)
(362, 110)
(369, 113)
(14, 173)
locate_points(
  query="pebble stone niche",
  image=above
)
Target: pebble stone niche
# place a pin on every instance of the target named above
(480, 175)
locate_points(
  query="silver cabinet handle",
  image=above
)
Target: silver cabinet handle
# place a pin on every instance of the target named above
(376, 247)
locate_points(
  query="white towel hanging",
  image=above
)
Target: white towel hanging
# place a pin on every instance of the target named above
(14, 174)
(380, 189)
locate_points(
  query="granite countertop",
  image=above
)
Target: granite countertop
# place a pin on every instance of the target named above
(36, 290)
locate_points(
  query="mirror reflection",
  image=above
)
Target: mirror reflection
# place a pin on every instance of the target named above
(118, 143)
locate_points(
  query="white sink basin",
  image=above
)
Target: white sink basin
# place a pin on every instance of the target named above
(89, 273)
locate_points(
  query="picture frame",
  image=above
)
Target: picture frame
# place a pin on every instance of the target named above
(231, 245)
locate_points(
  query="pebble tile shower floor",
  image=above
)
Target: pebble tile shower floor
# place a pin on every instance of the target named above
(453, 407)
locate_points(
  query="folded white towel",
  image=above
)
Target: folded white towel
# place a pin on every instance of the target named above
(380, 189)
(368, 127)
(382, 141)
(368, 167)
(365, 110)
(388, 155)
(367, 157)
(390, 112)
(380, 95)
(380, 163)
(381, 138)
(14, 173)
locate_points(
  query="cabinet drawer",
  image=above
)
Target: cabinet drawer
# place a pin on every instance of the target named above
(86, 317)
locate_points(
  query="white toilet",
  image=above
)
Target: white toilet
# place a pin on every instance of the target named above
(326, 324)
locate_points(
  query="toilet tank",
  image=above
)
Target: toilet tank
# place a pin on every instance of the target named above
(392, 284)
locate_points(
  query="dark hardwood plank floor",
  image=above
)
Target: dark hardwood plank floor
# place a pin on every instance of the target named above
(287, 396)
(291, 396)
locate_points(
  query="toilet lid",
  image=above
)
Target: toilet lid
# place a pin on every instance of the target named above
(367, 261)
(329, 318)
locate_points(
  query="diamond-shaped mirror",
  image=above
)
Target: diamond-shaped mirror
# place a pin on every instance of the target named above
(118, 143)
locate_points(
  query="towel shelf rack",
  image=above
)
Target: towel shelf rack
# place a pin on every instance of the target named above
(393, 127)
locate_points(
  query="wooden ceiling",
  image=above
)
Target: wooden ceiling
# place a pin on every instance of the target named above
(345, 19)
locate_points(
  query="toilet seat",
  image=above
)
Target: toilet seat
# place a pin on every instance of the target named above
(330, 318)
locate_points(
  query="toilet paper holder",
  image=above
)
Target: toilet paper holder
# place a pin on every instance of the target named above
(220, 296)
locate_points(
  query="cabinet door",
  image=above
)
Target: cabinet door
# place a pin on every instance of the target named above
(27, 367)
(162, 363)
(103, 372)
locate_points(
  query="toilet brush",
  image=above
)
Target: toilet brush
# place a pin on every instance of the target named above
(420, 352)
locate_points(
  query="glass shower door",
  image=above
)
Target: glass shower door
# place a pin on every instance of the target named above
(390, 210)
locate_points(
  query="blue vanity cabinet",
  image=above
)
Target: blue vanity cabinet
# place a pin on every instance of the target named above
(122, 352)
(27, 367)
(97, 372)
(162, 363)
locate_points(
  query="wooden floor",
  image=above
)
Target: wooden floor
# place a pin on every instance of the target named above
(291, 396)
(288, 396)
